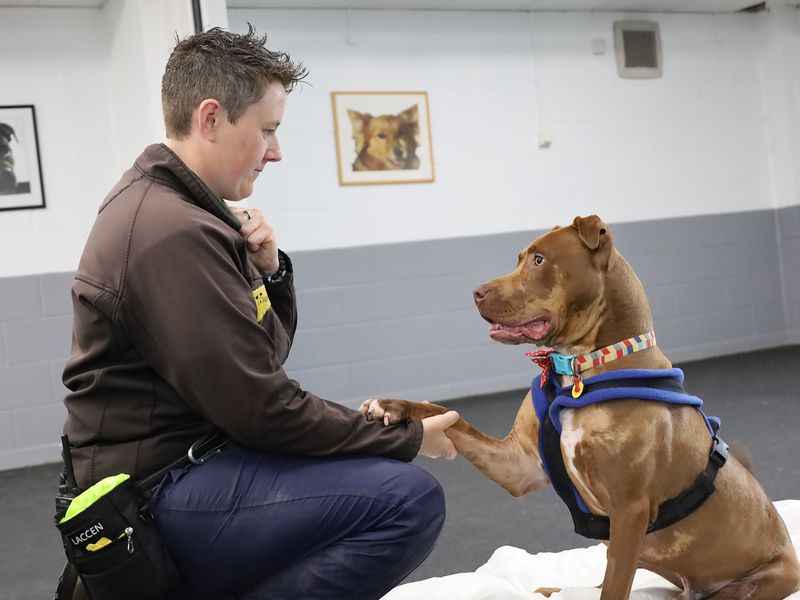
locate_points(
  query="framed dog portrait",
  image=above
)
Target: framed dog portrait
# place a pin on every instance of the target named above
(382, 137)
(21, 184)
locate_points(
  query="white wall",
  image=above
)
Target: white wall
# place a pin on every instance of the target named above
(57, 60)
(781, 99)
(94, 77)
(716, 134)
(691, 142)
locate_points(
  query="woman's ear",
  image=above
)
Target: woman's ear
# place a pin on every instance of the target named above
(207, 118)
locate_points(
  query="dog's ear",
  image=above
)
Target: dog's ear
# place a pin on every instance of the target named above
(359, 122)
(410, 115)
(594, 233)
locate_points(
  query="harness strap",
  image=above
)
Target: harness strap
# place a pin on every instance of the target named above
(671, 511)
(689, 501)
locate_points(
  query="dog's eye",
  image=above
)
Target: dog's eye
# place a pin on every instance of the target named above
(382, 136)
(538, 259)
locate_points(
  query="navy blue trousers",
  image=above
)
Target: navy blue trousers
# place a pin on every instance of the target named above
(254, 525)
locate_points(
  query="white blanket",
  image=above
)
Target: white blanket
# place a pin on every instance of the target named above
(513, 574)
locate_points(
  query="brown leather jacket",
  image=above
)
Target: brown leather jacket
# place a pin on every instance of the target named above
(167, 343)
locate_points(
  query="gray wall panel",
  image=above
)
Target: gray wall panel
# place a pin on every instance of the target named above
(632, 238)
(322, 307)
(33, 340)
(790, 253)
(7, 443)
(769, 319)
(761, 288)
(373, 302)
(25, 385)
(377, 377)
(710, 230)
(38, 425)
(399, 319)
(20, 298)
(663, 301)
(326, 382)
(788, 220)
(56, 293)
(446, 292)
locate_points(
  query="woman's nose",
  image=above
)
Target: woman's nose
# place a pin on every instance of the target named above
(273, 153)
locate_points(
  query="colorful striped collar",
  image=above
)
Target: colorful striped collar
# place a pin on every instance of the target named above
(573, 365)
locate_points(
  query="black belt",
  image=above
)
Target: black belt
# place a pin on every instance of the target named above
(199, 452)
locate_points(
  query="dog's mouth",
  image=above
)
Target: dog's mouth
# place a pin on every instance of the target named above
(533, 331)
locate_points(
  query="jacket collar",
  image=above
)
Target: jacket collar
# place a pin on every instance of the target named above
(159, 162)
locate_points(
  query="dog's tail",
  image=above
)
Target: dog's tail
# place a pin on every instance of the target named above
(742, 454)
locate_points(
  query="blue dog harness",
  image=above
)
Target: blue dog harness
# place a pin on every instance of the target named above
(643, 384)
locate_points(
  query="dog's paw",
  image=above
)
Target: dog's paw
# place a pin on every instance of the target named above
(546, 592)
(381, 410)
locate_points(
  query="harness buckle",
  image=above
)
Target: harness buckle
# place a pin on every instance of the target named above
(719, 452)
(564, 364)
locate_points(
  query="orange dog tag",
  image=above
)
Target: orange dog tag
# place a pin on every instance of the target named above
(577, 387)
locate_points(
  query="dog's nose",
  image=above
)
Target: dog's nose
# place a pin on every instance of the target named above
(479, 293)
(398, 152)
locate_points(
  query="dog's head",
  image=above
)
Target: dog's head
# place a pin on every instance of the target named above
(555, 295)
(386, 142)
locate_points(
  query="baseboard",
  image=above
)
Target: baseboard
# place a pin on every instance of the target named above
(28, 457)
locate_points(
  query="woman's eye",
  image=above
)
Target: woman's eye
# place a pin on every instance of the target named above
(538, 259)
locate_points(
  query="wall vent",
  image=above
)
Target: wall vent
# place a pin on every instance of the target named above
(638, 49)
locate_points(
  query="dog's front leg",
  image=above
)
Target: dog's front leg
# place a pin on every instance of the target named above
(512, 463)
(628, 528)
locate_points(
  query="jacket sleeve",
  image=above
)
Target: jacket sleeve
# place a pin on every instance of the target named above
(191, 313)
(283, 298)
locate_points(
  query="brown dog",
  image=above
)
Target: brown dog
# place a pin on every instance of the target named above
(574, 292)
(386, 142)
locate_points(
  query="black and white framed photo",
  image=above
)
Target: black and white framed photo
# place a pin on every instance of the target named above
(21, 184)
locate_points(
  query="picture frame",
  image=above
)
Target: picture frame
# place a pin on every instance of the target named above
(382, 137)
(21, 181)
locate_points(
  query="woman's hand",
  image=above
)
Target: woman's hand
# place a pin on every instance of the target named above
(262, 245)
(435, 443)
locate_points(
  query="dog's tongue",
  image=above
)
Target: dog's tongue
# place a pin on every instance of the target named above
(535, 330)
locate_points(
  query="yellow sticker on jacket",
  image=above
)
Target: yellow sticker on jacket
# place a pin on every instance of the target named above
(262, 301)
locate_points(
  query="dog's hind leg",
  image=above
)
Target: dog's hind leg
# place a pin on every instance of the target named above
(774, 581)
